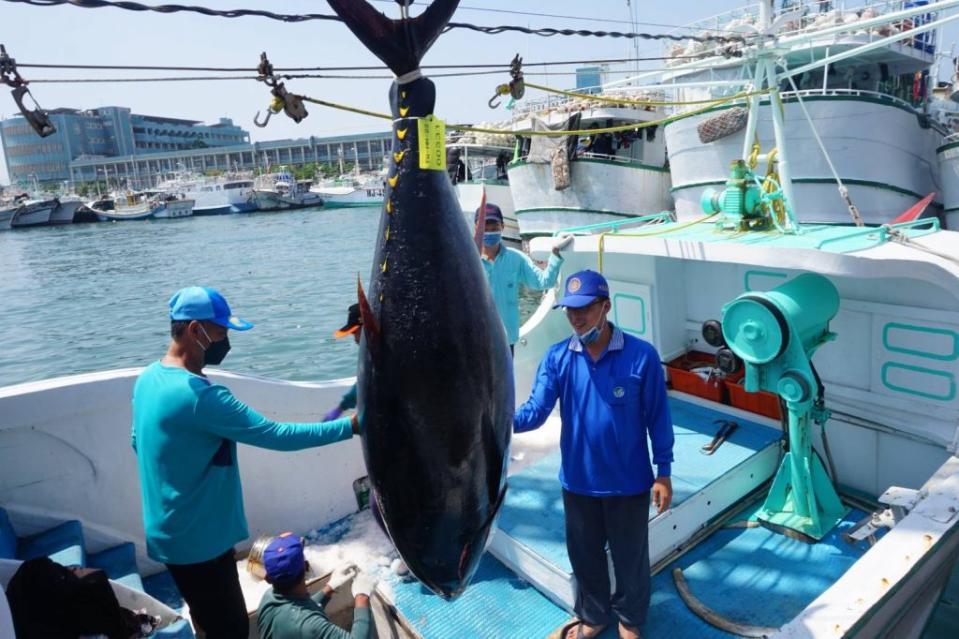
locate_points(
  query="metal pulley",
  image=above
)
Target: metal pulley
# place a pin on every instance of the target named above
(515, 88)
(36, 117)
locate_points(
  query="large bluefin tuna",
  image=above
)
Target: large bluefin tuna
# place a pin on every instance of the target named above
(435, 374)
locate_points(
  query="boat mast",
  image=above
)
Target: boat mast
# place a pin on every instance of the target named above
(766, 74)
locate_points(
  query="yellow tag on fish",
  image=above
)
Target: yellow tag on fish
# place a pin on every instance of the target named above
(431, 135)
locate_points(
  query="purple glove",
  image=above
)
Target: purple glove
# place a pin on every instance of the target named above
(333, 414)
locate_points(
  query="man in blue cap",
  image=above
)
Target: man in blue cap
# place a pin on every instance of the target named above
(612, 397)
(506, 269)
(287, 611)
(185, 431)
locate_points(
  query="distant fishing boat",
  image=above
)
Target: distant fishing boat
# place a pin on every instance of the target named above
(351, 191)
(66, 210)
(213, 195)
(146, 205)
(281, 191)
(572, 181)
(33, 213)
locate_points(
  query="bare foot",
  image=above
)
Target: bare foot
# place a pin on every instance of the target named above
(629, 632)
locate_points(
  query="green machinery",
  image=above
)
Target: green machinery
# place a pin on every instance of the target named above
(775, 334)
(743, 205)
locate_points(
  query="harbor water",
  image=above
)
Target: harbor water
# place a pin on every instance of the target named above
(88, 297)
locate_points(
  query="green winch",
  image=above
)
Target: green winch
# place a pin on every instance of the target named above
(775, 333)
(743, 204)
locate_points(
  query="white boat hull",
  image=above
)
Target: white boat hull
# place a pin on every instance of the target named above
(173, 209)
(600, 191)
(470, 194)
(127, 213)
(33, 214)
(273, 201)
(343, 197)
(948, 156)
(879, 149)
(6, 217)
(65, 211)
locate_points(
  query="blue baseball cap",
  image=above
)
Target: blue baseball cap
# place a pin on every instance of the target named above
(582, 289)
(493, 212)
(283, 558)
(204, 303)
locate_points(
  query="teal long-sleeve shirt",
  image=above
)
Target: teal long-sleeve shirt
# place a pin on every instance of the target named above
(185, 431)
(505, 274)
(283, 617)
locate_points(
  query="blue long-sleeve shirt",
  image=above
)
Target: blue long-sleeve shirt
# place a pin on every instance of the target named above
(185, 431)
(609, 409)
(505, 274)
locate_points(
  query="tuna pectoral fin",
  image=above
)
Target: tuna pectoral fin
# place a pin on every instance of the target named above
(400, 44)
(371, 328)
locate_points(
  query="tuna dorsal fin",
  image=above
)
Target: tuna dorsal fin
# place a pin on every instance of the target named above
(400, 44)
(371, 328)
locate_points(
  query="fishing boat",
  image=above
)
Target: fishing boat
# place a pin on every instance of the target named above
(281, 191)
(347, 191)
(213, 195)
(33, 212)
(146, 205)
(67, 210)
(610, 176)
(484, 175)
(853, 90)
(170, 207)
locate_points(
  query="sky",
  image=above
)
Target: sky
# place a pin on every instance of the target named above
(73, 35)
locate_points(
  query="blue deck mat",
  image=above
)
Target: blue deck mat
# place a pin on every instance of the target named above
(497, 604)
(752, 576)
(533, 511)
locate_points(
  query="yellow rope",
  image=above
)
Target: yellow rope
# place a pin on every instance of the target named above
(609, 129)
(659, 231)
(629, 102)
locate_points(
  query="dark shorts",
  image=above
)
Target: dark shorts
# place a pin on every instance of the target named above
(212, 591)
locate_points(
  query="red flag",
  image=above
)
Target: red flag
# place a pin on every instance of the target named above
(915, 210)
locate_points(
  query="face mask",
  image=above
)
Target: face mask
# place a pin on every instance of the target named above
(491, 239)
(592, 334)
(214, 352)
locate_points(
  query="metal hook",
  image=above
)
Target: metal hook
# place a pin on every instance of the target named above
(501, 89)
(256, 119)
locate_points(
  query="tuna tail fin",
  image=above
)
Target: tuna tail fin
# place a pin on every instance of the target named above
(371, 328)
(400, 44)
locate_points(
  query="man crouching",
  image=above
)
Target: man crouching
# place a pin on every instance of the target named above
(287, 611)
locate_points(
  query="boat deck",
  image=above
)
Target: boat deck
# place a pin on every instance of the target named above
(752, 575)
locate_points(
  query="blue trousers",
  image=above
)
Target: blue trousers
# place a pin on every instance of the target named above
(622, 523)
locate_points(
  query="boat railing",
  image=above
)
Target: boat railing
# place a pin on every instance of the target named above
(851, 93)
(554, 102)
(662, 217)
(952, 137)
(810, 16)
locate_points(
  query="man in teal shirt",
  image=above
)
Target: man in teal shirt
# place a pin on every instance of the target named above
(288, 611)
(185, 431)
(507, 268)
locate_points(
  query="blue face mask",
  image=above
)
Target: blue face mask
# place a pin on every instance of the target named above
(492, 239)
(591, 335)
